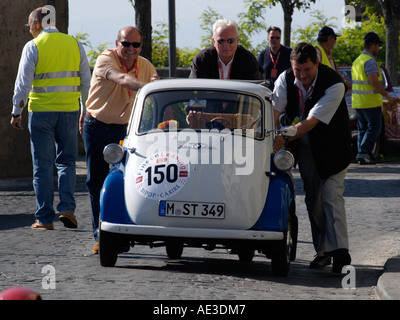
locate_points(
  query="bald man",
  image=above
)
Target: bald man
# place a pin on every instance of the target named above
(117, 76)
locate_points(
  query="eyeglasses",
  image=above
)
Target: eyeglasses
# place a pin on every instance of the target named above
(277, 38)
(127, 44)
(230, 41)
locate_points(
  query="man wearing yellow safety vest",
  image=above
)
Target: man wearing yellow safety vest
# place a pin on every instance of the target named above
(326, 42)
(366, 99)
(53, 74)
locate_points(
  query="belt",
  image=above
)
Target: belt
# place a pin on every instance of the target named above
(89, 115)
(105, 124)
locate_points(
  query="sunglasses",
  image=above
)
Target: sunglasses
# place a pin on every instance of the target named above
(230, 41)
(277, 38)
(127, 44)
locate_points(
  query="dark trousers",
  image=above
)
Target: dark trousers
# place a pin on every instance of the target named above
(97, 135)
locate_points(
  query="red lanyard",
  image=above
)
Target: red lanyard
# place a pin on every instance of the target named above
(302, 106)
(277, 59)
(129, 91)
(221, 71)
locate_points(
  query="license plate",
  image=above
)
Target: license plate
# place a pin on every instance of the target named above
(183, 209)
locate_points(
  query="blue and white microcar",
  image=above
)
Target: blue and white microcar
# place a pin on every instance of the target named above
(197, 169)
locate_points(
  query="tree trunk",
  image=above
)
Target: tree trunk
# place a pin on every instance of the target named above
(391, 12)
(143, 22)
(15, 156)
(288, 9)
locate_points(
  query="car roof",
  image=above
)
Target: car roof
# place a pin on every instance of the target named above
(254, 87)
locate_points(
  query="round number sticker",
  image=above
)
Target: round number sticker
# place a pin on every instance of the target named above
(162, 175)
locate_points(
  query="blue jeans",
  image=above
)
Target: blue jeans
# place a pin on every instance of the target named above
(54, 140)
(369, 123)
(97, 135)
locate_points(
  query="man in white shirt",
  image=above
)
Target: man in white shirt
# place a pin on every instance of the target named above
(53, 73)
(312, 96)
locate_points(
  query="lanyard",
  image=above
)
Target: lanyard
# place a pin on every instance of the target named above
(272, 59)
(129, 91)
(221, 71)
(302, 105)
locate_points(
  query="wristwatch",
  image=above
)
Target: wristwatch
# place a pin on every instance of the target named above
(15, 115)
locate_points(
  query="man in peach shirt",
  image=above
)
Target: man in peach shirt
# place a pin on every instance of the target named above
(117, 76)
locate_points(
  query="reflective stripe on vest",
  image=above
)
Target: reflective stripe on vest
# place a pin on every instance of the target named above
(325, 59)
(364, 94)
(56, 84)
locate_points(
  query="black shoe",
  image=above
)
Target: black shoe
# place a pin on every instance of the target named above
(365, 160)
(320, 262)
(341, 258)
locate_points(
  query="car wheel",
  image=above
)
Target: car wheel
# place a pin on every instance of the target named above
(174, 249)
(245, 254)
(282, 252)
(280, 259)
(294, 227)
(108, 248)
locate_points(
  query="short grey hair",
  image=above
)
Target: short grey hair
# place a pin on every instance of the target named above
(224, 24)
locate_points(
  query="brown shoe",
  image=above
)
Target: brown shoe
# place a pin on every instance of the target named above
(95, 249)
(68, 219)
(40, 226)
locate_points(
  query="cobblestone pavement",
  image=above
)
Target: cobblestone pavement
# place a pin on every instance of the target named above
(29, 257)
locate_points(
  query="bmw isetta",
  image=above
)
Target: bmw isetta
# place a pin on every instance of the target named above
(197, 169)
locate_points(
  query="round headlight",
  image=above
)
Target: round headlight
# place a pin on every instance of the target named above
(284, 160)
(113, 153)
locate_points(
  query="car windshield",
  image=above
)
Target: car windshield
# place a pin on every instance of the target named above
(201, 109)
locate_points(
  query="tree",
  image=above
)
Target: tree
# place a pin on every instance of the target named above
(390, 9)
(310, 32)
(93, 52)
(391, 13)
(288, 7)
(350, 43)
(143, 22)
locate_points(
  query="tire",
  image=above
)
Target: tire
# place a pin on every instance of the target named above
(284, 250)
(280, 259)
(108, 248)
(294, 230)
(174, 249)
(245, 254)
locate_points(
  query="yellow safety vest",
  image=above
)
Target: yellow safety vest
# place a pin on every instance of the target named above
(56, 84)
(325, 59)
(363, 93)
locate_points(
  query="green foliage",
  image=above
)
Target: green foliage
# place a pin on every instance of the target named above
(207, 19)
(351, 41)
(160, 45)
(249, 23)
(93, 52)
(310, 32)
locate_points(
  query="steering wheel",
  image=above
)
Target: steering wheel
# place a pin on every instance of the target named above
(215, 124)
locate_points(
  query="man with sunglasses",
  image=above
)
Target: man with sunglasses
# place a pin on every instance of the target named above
(276, 58)
(117, 76)
(225, 59)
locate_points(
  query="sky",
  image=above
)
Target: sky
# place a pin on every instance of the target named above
(101, 19)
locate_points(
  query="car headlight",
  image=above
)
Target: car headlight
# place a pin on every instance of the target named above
(284, 160)
(113, 153)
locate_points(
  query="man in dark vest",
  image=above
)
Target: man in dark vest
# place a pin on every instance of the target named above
(312, 95)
